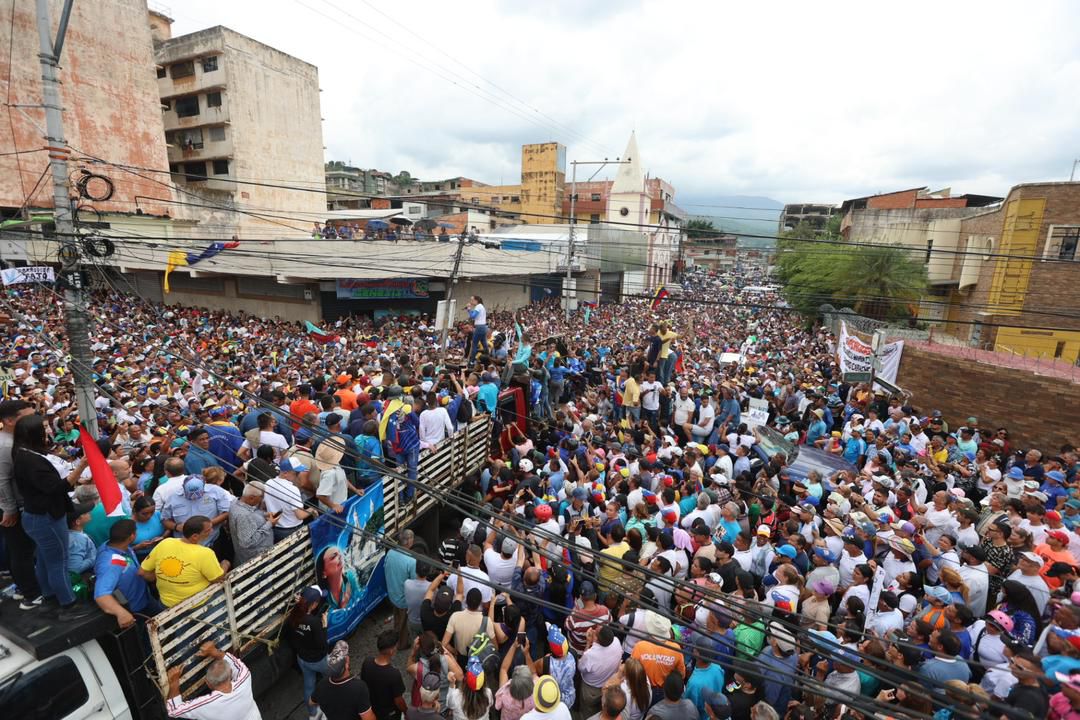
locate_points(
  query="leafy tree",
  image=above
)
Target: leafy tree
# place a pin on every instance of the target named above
(701, 228)
(880, 282)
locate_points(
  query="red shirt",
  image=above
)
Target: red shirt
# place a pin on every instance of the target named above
(299, 408)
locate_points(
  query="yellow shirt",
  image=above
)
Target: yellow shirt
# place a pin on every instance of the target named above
(631, 394)
(941, 455)
(182, 569)
(611, 572)
(665, 342)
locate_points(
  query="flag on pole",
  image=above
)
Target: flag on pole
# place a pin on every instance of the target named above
(211, 250)
(177, 258)
(104, 478)
(661, 293)
(318, 334)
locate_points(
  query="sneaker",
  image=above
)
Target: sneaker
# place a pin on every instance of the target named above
(75, 611)
(28, 604)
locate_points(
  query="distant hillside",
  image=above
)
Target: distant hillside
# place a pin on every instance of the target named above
(744, 215)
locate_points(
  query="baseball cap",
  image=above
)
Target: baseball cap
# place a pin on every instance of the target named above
(557, 641)
(525, 465)
(1058, 535)
(289, 465)
(939, 593)
(764, 530)
(588, 590)
(1031, 557)
(1059, 569)
(443, 599)
(1015, 473)
(474, 673)
(333, 419)
(509, 546)
(825, 554)
(670, 516)
(312, 594)
(787, 551)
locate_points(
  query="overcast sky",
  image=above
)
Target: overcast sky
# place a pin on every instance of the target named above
(796, 101)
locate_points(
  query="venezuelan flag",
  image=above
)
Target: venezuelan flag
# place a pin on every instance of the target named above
(660, 294)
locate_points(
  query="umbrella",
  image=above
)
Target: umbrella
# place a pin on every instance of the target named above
(377, 224)
(425, 224)
(399, 220)
(448, 226)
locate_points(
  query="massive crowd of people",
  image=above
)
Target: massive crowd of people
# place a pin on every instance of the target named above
(638, 546)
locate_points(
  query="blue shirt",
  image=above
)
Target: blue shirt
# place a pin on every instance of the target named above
(178, 509)
(81, 552)
(149, 530)
(854, 449)
(487, 398)
(198, 460)
(816, 432)
(703, 681)
(398, 567)
(119, 570)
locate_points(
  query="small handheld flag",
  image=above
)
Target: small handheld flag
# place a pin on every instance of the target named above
(661, 293)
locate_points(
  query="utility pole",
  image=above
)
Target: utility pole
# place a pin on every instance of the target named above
(573, 218)
(1073, 173)
(75, 320)
(448, 318)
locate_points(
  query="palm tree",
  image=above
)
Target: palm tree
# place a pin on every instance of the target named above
(881, 282)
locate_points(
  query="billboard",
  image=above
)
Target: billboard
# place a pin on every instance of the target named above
(349, 563)
(387, 289)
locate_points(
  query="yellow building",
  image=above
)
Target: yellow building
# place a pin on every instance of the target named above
(538, 198)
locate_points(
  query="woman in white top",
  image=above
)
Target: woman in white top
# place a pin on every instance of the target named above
(435, 423)
(465, 701)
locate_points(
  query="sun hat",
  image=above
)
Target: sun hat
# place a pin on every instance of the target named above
(546, 694)
(658, 626)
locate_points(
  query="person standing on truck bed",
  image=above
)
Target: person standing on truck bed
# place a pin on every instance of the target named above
(46, 504)
(230, 697)
(342, 696)
(184, 566)
(117, 569)
(17, 544)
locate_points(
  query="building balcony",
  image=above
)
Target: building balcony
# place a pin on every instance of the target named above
(206, 115)
(205, 150)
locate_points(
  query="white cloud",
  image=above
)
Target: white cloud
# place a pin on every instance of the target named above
(798, 101)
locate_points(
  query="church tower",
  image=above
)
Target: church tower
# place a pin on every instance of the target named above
(627, 202)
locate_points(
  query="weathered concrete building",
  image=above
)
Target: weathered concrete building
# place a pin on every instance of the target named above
(239, 118)
(816, 215)
(111, 113)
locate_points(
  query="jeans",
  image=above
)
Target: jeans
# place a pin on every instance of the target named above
(412, 462)
(281, 533)
(311, 672)
(51, 537)
(479, 336)
(667, 367)
(653, 418)
(633, 411)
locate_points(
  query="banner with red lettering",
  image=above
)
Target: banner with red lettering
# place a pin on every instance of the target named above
(855, 354)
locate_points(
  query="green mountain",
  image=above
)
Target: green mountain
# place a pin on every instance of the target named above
(752, 218)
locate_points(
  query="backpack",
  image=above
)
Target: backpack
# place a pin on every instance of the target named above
(393, 433)
(482, 648)
(464, 410)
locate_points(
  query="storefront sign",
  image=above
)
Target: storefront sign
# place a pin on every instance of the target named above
(389, 289)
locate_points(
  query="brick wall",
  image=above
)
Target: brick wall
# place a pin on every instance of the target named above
(893, 201)
(1038, 411)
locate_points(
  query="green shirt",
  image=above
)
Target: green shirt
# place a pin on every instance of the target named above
(749, 640)
(100, 524)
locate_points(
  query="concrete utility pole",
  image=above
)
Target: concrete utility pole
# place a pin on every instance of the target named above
(449, 319)
(573, 218)
(75, 321)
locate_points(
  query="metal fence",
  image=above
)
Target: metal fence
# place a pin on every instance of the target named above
(250, 604)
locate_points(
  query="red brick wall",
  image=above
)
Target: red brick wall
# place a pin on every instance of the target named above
(893, 201)
(380, 204)
(1039, 411)
(957, 202)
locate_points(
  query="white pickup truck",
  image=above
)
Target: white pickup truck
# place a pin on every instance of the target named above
(90, 669)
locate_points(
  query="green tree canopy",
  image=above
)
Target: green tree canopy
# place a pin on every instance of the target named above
(880, 282)
(701, 228)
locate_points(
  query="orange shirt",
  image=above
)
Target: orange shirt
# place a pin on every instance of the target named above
(299, 408)
(1051, 557)
(659, 660)
(348, 399)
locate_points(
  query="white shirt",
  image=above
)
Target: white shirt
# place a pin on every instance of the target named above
(709, 515)
(705, 418)
(284, 497)
(171, 486)
(500, 569)
(435, 425)
(271, 438)
(559, 713)
(977, 580)
(481, 314)
(239, 704)
(682, 410)
(474, 578)
(650, 395)
(882, 623)
(1036, 585)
